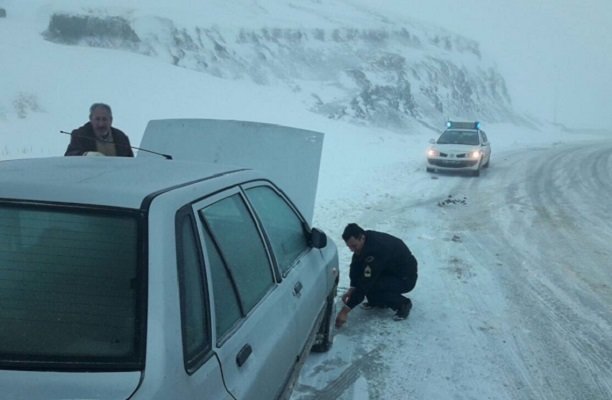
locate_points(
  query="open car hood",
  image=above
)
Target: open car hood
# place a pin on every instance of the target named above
(291, 157)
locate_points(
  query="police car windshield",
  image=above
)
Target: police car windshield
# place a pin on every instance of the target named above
(459, 137)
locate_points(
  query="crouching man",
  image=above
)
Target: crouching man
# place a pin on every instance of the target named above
(382, 268)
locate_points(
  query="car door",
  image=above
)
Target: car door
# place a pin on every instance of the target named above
(302, 267)
(253, 333)
(187, 368)
(486, 146)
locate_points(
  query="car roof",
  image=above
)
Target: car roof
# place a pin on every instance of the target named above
(109, 181)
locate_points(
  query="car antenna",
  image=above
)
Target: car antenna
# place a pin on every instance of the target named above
(166, 156)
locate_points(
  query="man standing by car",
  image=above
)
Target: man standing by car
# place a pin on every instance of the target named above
(98, 137)
(382, 268)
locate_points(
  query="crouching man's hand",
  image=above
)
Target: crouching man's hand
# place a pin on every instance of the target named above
(342, 316)
(347, 295)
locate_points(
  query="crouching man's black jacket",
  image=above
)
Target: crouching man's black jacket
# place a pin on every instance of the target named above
(382, 255)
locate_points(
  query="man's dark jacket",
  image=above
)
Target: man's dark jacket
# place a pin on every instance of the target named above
(83, 140)
(382, 255)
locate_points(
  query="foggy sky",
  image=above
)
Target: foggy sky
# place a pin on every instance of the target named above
(556, 55)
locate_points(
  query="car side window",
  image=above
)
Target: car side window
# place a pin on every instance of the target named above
(241, 248)
(227, 308)
(282, 225)
(484, 137)
(195, 320)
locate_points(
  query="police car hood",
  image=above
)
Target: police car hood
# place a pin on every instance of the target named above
(456, 148)
(291, 157)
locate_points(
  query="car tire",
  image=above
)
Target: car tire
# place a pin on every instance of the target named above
(325, 335)
(429, 169)
(476, 172)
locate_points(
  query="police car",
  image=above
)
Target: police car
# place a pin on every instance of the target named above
(462, 147)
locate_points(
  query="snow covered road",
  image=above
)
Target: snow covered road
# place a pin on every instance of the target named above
(548, 232)
(515, 285)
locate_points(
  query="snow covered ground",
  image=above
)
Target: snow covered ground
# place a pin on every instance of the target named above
(515, 282)
(515, 285)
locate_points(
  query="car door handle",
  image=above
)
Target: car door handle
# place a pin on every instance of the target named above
(243, 354)
(297, 289)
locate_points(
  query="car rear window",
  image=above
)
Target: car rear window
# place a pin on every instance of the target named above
(68, 288)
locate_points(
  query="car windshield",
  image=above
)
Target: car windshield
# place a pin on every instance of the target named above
(68, 288)
(459, 137)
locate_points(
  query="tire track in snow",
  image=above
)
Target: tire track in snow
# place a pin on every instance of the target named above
(338, 386)
(565, 350)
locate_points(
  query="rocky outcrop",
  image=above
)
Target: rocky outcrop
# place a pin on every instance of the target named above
(387, 77)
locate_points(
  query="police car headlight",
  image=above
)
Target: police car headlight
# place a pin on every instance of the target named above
(433, 153)
(475, 155)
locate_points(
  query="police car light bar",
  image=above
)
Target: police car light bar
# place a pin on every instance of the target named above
(463, 125)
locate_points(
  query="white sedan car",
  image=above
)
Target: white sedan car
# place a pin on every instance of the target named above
(462, 147)
(149, 278)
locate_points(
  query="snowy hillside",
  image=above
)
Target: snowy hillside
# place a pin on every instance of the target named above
(387, 73)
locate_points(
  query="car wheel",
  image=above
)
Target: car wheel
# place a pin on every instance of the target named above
(429, 169)
(476, 172)
(325, 335)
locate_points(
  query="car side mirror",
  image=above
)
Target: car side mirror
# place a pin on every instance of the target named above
(432, 141)
(318, 238)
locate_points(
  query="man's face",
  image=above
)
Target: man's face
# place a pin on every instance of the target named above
(101, 121)
(355, 245)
